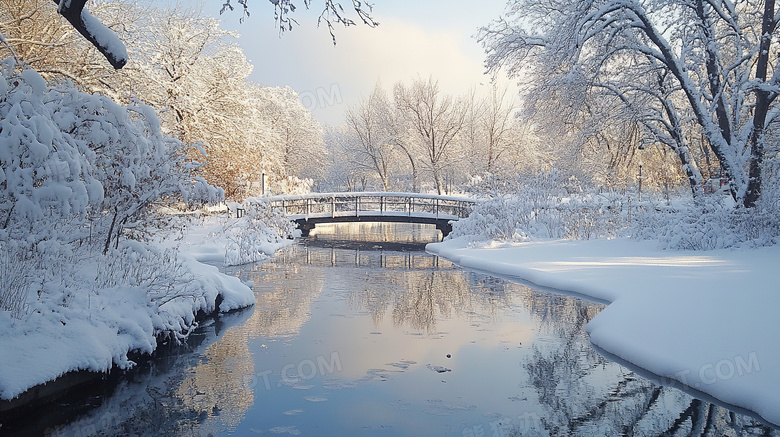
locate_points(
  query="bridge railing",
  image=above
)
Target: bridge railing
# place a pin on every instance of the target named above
(383, 204)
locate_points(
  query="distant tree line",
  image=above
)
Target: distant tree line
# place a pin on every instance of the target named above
(181, 63)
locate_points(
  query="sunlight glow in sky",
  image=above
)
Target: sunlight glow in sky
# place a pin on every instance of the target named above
(414, 38)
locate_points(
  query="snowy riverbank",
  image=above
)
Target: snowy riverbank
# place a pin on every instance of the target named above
(707, 319)
(94, 329)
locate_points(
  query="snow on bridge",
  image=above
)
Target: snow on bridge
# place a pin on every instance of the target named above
(310, 209)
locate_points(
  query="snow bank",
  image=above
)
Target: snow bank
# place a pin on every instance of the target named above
(71, 328)
(705, 319)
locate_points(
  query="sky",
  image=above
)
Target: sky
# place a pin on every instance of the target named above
(415, 38)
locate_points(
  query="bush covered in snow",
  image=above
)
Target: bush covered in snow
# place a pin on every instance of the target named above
(545, 206)
(258, 234)
(710, 223)
(90, 270)
(540, 206)
(76, 166)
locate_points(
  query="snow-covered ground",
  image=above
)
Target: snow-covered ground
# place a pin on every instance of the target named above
(94, 329)
(707, 319)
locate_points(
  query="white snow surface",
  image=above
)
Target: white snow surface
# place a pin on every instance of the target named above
(96, 329)
(707, 319)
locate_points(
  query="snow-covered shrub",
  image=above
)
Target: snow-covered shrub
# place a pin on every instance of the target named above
(76, 166)
(134, 162)
(18, 277)
(77, 172)
(45, 174)
(535, 207)
(711, 223)
(160, 272)
(258, 234)
(68, 156)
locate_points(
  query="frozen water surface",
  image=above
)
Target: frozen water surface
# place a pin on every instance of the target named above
(382, 339)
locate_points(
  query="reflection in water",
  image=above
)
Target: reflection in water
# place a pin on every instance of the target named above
(215, 387)
(330, 256)
(417, 299)
(154, 399)
(386, 235)
(392, 342)
(563, 373)
(285, 305)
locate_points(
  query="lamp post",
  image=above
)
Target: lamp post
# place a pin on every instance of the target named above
(640, 181)
(262, 184)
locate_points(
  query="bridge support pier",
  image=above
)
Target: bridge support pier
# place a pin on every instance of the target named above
(305, 226)
(444, 227)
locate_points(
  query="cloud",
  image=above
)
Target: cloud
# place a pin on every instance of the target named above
(397, 50)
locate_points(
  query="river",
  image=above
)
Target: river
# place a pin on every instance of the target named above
(358, 331)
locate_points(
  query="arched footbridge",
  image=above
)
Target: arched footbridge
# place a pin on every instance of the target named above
(309, 210)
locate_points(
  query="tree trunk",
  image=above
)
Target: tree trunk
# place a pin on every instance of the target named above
(110, 232)
(763, 100)
(437, 180)
(415, 186)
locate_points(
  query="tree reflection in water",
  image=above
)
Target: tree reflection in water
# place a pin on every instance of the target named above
(564, 373)
(416, 298)
(516, 351)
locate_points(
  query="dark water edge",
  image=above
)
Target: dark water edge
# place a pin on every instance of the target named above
(42, 409)
(675, 384)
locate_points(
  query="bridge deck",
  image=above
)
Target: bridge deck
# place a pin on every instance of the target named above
(374, 214)
(353, 194)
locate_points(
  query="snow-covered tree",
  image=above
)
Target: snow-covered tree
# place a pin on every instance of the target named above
(70, 158)
(36, 35)
(100, 36)
(436, 121)
(373, 138)
(494, 140)
(709, 59)
(115, 52)
(297, 135)
(343, 174)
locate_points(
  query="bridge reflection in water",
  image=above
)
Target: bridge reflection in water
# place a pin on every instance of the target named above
(319, 256)
(392, 246)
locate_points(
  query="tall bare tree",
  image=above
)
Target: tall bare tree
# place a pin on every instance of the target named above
(500, 127)
(436, 120)
(373, 140)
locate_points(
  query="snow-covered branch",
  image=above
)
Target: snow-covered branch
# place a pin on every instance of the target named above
(103, 38)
